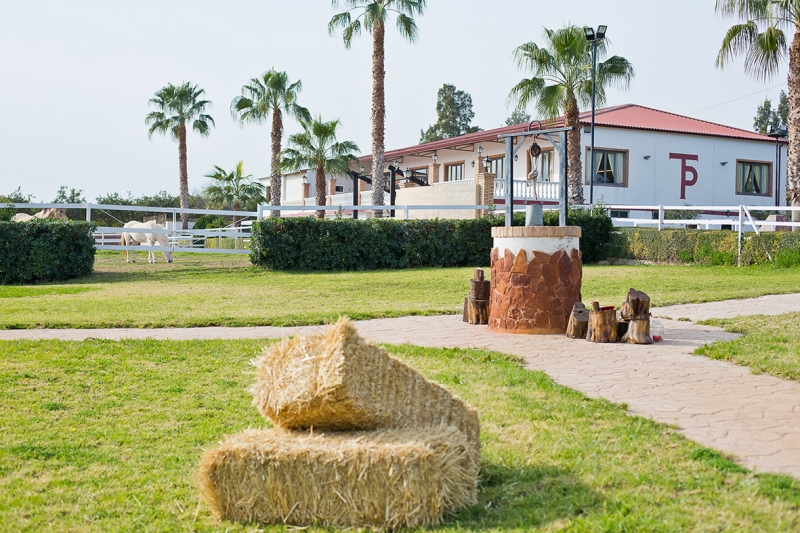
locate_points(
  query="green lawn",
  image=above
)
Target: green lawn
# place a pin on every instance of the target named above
(105, 436)
(222, 290)
(770, 344)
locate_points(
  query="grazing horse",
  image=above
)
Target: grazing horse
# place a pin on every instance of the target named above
(57, 213)
(148, 239)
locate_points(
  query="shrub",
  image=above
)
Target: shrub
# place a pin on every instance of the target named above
(210, 222)
(344, 244)
(708, 247)
(45, 250)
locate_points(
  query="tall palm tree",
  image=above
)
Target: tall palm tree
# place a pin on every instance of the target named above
(178, 107)
(562, 83)
(271, 93)
(762, 39)
(316, 147)
(233, 190)
(373, 18)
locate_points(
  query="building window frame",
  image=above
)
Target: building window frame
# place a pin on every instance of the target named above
(769, 180)
(447, 167)
(625, 167)
(501, 157)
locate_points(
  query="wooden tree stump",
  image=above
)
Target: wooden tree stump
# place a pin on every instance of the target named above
(636, 310)
(578, 322)
(602, 325)
(477, 304)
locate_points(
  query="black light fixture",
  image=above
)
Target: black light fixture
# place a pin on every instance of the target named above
(589, 33)
(407, 173)
(723, 163)
(486, 162)
(601, 31)
(435, 157)
(480, 150)
(647, 157)
(472, 164)
(305, 179)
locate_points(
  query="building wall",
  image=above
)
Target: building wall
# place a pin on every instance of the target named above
(456, 194)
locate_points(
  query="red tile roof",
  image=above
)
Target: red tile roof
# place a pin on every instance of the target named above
(628, 116)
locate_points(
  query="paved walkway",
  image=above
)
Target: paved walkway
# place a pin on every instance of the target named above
(718, 404)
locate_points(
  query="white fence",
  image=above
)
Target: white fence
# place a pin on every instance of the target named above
(546, 191)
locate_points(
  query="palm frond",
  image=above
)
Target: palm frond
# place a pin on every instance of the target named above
(738, 39)
(407, 28)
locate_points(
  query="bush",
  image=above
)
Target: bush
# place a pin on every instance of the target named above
(45, 250)
(708, 247)
(210, 222)
(344, 244)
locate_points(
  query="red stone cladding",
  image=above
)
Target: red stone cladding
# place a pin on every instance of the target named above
(534, 297)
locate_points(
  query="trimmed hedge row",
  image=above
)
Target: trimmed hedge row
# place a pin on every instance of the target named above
(707, 247)
(44, 250)
(308, 244)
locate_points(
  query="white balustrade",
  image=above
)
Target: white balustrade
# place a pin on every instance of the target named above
(524, 190)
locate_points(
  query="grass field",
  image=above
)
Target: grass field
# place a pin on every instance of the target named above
(223, 290)
(770, 344)
(103, 436)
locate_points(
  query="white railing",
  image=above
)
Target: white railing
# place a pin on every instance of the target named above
(524, 190)
(452, 183)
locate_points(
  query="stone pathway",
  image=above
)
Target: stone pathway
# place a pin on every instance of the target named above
(718, 404)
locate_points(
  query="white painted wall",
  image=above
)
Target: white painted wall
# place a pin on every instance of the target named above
(460, 194)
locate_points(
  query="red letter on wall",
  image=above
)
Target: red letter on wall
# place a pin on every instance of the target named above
(686, 169)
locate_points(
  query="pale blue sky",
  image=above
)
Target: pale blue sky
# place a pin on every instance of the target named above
(75, 76)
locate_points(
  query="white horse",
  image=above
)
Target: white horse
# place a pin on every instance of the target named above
(57, 213)
(148, 239)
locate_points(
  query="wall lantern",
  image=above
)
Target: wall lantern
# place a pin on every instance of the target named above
(647, 157)
(305, 179)
(480, 151)
(472, 164)
(724, 163)
(486, 162)
(435, 157)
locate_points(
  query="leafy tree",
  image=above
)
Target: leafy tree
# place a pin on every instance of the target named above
(374, 16)
(562, 83)
(177, 108)
(454, 111)
(761, 37)
(518, 117)
(71, 196)
(234, 190)
(14, 197)
(783, 110)
(272, 93)
(768, 119)
(316, 147)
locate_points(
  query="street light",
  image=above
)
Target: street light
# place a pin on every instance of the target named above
(593, 38)
(778, 135)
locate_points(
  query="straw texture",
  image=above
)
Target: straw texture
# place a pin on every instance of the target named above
(337, 380)
(383, 479)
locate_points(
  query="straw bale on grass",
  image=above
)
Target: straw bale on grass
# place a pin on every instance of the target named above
(337, 380)
(383, 479)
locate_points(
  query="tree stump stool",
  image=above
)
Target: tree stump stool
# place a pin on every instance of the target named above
(476, 305)
(578, 322)
(602, 324)
(536, 279)
(636, 310)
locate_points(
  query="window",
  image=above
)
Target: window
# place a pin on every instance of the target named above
(497, 166)
(546, 166)
(340, 188)
(754, 178)
(454, 172)
(610, 167)
(620, 214)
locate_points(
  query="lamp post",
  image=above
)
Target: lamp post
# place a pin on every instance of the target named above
(778, 135)
(593, 38)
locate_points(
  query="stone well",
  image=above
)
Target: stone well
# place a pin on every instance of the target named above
(536, 279)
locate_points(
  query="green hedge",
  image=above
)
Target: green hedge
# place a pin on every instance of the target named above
(44, 250)
(707, 247)
(308, 243)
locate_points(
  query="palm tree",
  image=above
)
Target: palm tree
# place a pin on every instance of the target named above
(316, 147)
(562, 83)
(177, 107)
(762, 39)
(271, 93)
(233, 190)
(373, 18)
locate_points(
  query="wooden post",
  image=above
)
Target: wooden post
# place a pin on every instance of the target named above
(602, 325)
(578, 322)
(636, 310)
(476, 305)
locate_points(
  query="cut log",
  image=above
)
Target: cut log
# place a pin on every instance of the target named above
(479, 290)
(578, 322)
(638, 332)
(476, 311)
(479, 275)
(636, 306)
(603, 326)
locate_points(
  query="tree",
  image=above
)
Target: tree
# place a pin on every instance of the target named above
(15, 197)
(177, 108)
(454, 111)
(71, 196)
(272, 93)
(768, 119)
(373, 18)
(233, 190)
(562, 83)
(518, 117)
(783, 111)
(316, 147)
(761, 36)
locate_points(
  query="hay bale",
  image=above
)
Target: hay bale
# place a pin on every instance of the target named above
(337, 380)
(381, 479)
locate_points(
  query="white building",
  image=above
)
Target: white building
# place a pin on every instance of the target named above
(643, 157)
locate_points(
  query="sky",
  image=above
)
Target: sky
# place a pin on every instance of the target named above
(76, 77)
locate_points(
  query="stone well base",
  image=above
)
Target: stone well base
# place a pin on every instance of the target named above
(536, 279)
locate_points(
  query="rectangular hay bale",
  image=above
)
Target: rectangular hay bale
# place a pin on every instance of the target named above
(337, 380)
(382, 479)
